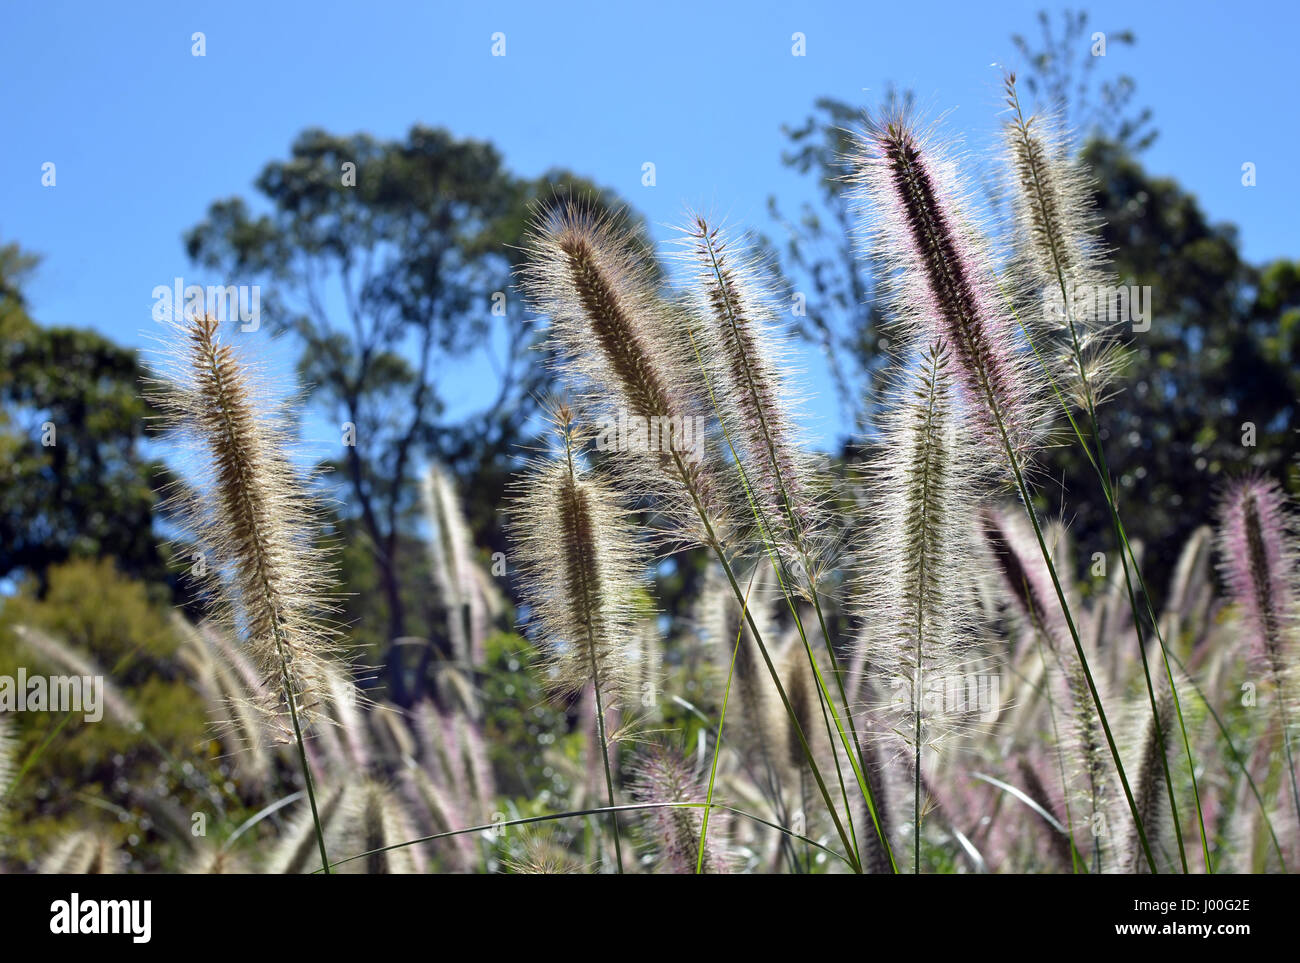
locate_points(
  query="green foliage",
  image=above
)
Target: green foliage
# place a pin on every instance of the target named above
(1223, 350)
(73, 481)
(519, 714)
(105, 774)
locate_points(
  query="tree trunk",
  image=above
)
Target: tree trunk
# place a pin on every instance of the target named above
(396, 630)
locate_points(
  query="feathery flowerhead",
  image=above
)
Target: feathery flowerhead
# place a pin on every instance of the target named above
(210, 860)
(250, 513)
(234, 689)
(1258, 560)
(741, 343)
(917, 572)
(371, 818)
(1058, 251)
(1150, 746)
(754, 711)
(942, 283)
(451, 550)
(296, 852)
(49, 649)
(630, 358)
(663, 776)
(581, 566)
(83, 853)
(544, 853)
(805, 699)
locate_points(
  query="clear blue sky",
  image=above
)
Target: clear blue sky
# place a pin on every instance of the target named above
(145, 135)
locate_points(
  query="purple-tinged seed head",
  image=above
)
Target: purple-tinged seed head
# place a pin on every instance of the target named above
(1258, 561)
(941, 279)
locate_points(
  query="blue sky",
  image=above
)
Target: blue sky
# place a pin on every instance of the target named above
(145, 135)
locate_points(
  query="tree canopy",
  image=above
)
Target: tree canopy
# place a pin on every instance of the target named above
(74, 481)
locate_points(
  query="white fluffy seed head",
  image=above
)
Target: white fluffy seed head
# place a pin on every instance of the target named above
(261, 563)
(746, 351)
(1059, 254)
(627, 354)
(916, 575)
(941, 283)
(582, 567)
(451, 551)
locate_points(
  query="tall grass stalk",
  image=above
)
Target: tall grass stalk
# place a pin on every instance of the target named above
(618, 339)
(1057, 225)
(582, 568)
(267, 572)
(752, 395)
(916, 570)
(947, 285)
(1259, 563)
(717, 736)
(797, 725)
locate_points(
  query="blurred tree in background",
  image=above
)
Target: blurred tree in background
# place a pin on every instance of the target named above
(1223, 351)
(1062, 72)
(389, 261)
(73, 480)
(130, 775)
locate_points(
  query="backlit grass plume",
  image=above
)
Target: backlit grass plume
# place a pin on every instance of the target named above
(211, 860)
(581, 567)
(628, 352)
(754, 711)
(919, 561)
(228, 681)
(582, 570)
(741, 343)
(663, 776)
(1062, 265)
(451, 551)
(371, 820)
(296, 849)
(1258, 561)
(251, 514)
(543, 853)
(1059, 252)
(1151, 750)
(1257, 552)
(83, 853)
(944, 287)
(942, 284)
(66, 658)
(629, 356)
(253, 518)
